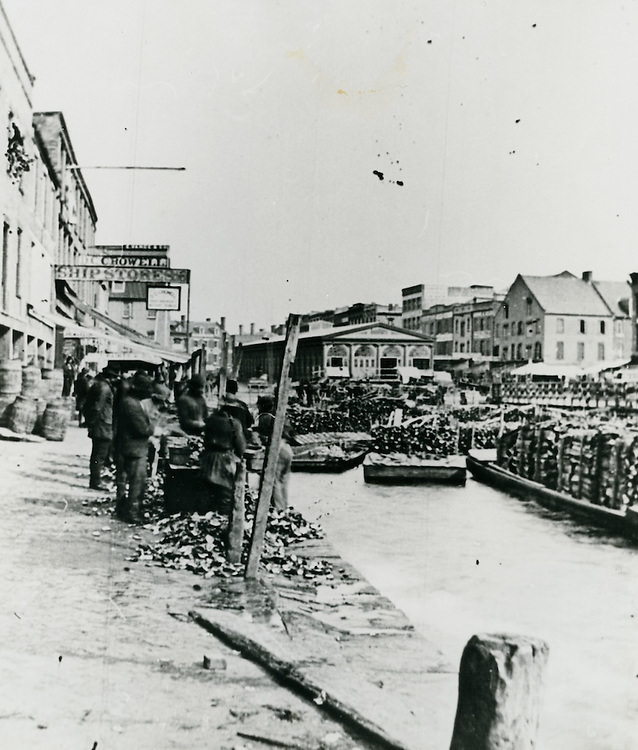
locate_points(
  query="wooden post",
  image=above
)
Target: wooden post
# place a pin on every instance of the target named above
(202, 361)
(272, 452)
(236, 530)
(500, 687)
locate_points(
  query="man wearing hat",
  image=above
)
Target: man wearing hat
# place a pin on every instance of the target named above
(98, 413)
(191, 407)
(237, 408)
(134, 429)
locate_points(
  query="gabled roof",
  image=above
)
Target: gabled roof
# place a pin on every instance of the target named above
(358, 331)
(616, 295)
(565, 294)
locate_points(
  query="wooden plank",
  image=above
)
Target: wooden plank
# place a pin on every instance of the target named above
(272, 452)
(236, 531)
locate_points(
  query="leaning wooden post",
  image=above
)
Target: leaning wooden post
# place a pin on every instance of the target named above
(272, 452)
(236, 530)
(500, 686)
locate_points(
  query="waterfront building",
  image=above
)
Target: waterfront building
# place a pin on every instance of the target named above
(564, 319)
(368, 350)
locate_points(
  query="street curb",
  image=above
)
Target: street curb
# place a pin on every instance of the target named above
(291, 670)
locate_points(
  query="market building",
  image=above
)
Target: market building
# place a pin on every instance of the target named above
(370, 350)
(564, 319)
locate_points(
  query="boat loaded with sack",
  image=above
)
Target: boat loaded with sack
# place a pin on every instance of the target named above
(589, 471)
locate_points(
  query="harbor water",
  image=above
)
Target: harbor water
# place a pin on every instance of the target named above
(465, 560)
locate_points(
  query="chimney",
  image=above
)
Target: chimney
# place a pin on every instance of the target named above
(208, 320)
(252, 329)
(222, 322)
(587, 276)
(241, 329)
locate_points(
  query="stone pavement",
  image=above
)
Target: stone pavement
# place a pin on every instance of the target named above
(100, 652)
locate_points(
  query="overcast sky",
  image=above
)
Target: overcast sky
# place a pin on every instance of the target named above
(512, 126)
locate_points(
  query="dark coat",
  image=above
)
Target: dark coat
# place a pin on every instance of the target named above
(224, 433)
(191, 410)
(133, 428)
(98, 410)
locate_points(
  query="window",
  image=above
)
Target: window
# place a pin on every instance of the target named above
(506, 310)
(336, 362)
(601, 351)
(151, 333)
(560, 350)
(519, 328)
(462, 348)
(519, 351)
(126, 310)
(506, 330)
(618, 328)
(580, 351)
(560, 325)
(117, 287)
(497, 331)
(583, 326)
(602, 327)
(538, 351)
(506, 351)
(528, 306)
(462, 328)
(151, 314)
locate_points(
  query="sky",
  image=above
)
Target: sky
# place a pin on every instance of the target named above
(338, 151)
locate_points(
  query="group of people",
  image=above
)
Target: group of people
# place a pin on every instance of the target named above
(125, 417)
(228, 431)
(121, 417)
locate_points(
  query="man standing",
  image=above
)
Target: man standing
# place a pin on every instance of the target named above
(191, 407)
(237, 408)
(98, 413)
(134, 429)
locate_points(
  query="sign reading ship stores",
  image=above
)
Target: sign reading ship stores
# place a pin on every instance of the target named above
(118, 273)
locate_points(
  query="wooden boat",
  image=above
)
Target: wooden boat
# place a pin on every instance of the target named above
(482, 465)
(318, 460)
(399, 469)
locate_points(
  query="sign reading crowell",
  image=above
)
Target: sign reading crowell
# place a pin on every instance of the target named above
(163, 297)
(128, 261)
(109, 273)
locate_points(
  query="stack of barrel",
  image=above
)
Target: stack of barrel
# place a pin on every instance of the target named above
(31, 400)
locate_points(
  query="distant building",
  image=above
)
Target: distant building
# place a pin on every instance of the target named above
(359, 312)
(208, 333)
(368, 350)
(127, 303)
(418, 298)
(564, 319)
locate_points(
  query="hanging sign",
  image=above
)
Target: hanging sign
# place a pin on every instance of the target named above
(163, 297)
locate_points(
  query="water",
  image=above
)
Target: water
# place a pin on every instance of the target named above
(465, 560)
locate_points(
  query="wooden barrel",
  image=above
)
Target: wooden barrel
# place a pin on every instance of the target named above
(40, 406)
(53, 381)
(10, 377)
(23, 415)
(31, 381)
(5, 407)
(55, 420)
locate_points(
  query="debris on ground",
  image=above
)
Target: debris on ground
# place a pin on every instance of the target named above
(197, 542)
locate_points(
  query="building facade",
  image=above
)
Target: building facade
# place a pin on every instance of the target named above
(201, 333)
(370, 350)
(562, 319)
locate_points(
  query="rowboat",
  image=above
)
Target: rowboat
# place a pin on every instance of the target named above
(483, 467)
(396, 468)
(327, 460)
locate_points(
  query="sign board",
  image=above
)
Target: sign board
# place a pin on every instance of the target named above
(128, 261)
(106, 273)
(163, 297)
